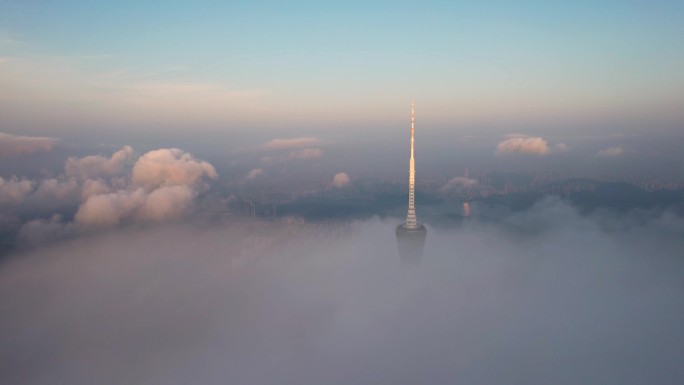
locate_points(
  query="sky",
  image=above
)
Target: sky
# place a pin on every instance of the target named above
(118, 70)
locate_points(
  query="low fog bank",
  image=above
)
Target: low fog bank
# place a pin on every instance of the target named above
(580, 300)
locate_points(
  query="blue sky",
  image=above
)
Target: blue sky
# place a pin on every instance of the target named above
(100, 65)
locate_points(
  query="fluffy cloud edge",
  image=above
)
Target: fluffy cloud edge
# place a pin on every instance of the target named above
(341, 179)
(161, 185)
(254, 173)
(523, 145)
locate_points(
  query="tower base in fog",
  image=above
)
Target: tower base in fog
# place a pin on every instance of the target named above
(411, 243)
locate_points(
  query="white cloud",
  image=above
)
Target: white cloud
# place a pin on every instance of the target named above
(161, 185)
(303, 153)
(56, 190)
(13, 145)
(161, 204)
(561, 147)
(529, 145)
(341, 179)
(307, 153)
(98, 166)
(289, 144)
(110, 209)
(166, 203)
(458, 182)
(612, 151)
(42, 194)
(254, 173)
(170, 166)
(94, 187)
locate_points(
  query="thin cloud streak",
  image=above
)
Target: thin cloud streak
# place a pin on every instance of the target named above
(280, 144)
(14, 145)
(52, 84)
(306, 153)
(612, 152)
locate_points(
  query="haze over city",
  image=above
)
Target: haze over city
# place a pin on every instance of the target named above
(357, 193)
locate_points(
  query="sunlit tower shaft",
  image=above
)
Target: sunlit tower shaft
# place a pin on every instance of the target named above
(411, 221)
(411, 234)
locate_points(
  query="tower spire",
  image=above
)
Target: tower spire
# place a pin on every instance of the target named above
(411, 221)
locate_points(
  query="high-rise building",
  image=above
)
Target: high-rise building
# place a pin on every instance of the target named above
(411, 234)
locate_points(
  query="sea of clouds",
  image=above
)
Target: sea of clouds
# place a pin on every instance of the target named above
(549, 297)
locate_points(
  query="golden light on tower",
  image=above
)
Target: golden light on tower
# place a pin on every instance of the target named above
(411, 234)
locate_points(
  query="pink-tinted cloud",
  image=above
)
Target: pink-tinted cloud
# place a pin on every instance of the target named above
(161, 185)
(167, 203)
(98, 166)
(170, 166)
(13, 145)
(341, 179)
(280, 144)
(14, 190)
(161, 204)
(94, 187)
(110, 209)
(523, 145)
(57, 190)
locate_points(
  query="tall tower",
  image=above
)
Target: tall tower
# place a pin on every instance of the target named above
(411, 222)
(411, 234)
